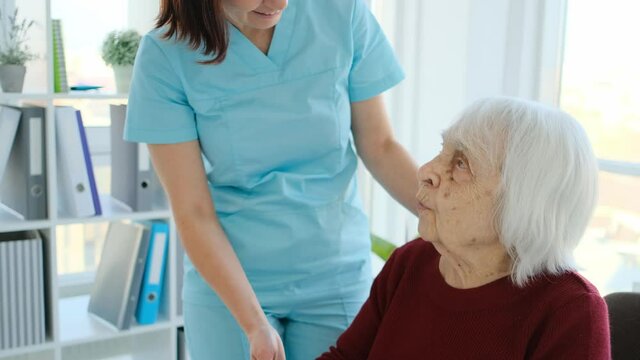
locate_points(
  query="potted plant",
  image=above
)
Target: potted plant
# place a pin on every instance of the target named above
(14, 52)
(119, 50)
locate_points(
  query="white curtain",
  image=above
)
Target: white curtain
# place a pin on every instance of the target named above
(454, 52)
(141, 14)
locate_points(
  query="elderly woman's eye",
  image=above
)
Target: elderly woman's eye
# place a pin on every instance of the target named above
(461, 164)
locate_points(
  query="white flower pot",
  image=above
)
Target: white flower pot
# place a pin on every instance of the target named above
(12, 78)
(123, 77)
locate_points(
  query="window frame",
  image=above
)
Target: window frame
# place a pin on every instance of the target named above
(551, 60)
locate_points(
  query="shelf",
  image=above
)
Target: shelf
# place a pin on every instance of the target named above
(21, 225)
(141, 346)
(12, 221)
(179, 321)
(21, 96)
(77, 326)
(90, 96)
(66, 96)
(30, 352)
(113, 210)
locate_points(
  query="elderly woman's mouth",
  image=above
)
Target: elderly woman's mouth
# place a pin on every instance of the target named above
(422, 207)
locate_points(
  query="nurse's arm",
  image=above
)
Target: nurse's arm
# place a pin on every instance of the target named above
(180, 169)
(384, 157)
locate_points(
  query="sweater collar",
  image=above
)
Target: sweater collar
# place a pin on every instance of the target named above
(496, 294)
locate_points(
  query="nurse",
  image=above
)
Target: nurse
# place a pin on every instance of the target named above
(276, 97)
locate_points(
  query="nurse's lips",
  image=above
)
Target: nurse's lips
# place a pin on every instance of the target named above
(268, 14)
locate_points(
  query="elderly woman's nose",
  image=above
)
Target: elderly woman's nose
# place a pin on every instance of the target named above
(427, 176)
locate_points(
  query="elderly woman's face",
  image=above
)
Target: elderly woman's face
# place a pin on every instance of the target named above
(456, 196)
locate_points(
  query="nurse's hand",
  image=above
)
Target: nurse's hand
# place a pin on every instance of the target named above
(265, 344)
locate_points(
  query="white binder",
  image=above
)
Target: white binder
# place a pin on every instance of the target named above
(27, 312)
(4, 295)
(73, 180)
(115, 292)
(9, 120)
(38, 289)
(24, 186)
(133, 179)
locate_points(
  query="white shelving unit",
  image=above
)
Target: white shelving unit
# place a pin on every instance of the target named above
(72, 333)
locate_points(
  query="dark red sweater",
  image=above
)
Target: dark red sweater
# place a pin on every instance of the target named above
(412, 313)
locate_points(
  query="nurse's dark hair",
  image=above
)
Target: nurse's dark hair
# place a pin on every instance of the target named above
(199, 22)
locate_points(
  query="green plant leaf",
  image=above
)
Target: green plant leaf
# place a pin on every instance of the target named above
(382, 247)
(120, 47)
(13, 45)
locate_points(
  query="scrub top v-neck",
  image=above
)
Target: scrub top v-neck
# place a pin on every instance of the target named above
(276, 131)
(254, 57)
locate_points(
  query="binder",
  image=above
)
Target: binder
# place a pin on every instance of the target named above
(60, 84)
(133, 180)
(182, 346)
(179, 273)
(89, 165)
(13, 295)
(27, 288)
(114, 295)
(152, 283)
(20, 294)
(24, 186)
(4, 295)
(39, 291)
(9, 120)
(73, 178)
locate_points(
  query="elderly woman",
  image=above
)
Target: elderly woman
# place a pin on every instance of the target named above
(502, 208)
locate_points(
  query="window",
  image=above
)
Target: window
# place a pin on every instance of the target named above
(601, 88)
(78, 247)
(85, 24)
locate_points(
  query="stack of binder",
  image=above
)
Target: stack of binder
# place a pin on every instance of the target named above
(22, 290)
(76, 181)
(130, 275)
(23, 187)
(133, 179)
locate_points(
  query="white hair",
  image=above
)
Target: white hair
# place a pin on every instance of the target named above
(549, 179)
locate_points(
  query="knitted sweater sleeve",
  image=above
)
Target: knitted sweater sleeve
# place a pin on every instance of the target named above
(578, 329)
(357, 340)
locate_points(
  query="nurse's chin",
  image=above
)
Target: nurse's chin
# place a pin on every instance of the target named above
(264, 22)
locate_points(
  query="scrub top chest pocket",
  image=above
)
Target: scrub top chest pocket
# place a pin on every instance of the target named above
(281, 127)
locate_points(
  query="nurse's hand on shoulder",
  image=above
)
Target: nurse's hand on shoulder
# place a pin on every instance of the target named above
(265, 344)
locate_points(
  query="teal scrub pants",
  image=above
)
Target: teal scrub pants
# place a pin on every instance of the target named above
(307, 329)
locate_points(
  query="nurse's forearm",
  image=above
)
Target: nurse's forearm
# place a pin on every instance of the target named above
(386, 159)
(202, 236)
(395, 170)
(211, 253)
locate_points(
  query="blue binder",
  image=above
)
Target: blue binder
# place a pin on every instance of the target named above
(152, 281)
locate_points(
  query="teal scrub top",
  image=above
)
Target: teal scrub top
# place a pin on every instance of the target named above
(276, 130)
